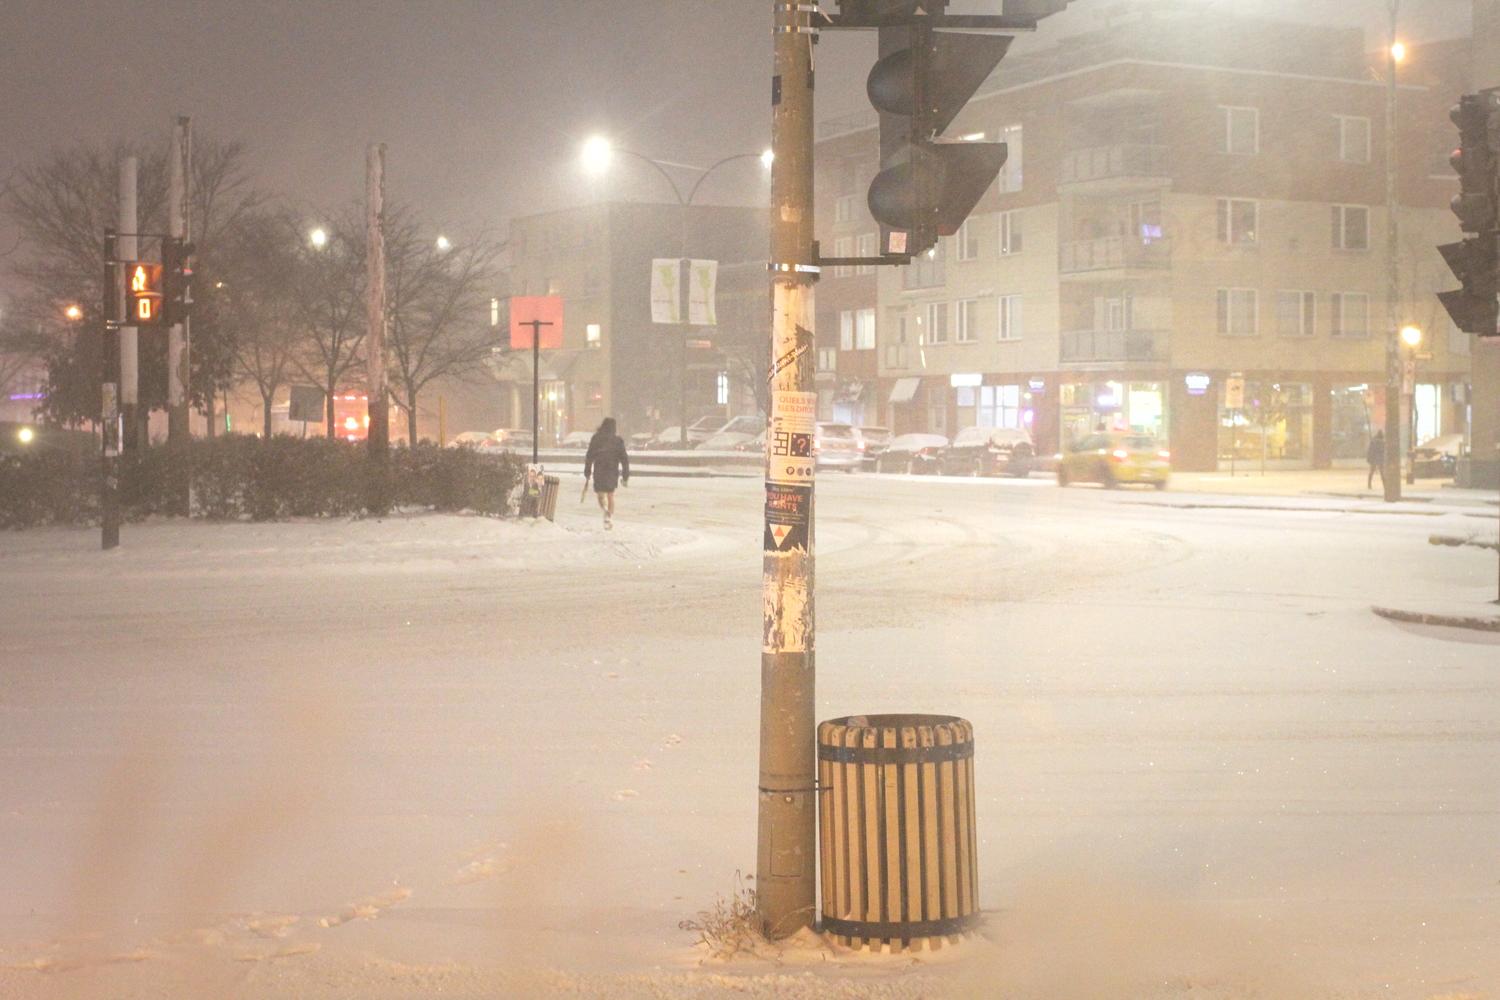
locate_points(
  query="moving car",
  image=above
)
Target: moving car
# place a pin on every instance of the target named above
(1113, 458)
(877, 440)
(911, 453)
(988, 451)
(838, 446)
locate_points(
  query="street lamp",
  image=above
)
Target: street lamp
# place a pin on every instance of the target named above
(73, 312)
(596, 156)
(318, 237)
(1411, 336)
(444, 244)
(1391, 473)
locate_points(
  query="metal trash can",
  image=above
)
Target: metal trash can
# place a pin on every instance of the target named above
(896, 818)
(551, 486)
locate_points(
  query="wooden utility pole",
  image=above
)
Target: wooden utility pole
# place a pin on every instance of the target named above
(786, 859)
(379, 411)
(128, 247)
(179, 226)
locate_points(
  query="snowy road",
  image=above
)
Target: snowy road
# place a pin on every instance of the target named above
(395, 757)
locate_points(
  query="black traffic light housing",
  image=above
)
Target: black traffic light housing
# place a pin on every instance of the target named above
(177, 268)
(1474, 261)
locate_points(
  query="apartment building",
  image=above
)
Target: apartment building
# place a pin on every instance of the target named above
(614, 360)
(1188, 196)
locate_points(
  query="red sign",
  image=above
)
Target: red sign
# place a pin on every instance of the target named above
(544, 310)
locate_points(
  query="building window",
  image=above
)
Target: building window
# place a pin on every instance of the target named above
(1010, 232)
(1010, 174)
(1239, 131)
(721, 389)
(594, 335)
(1237, 312)
(895, 348)
(1351, 227)
(999, 406)
(864, 330)
(554, 287)
(846, 330)
(843, 208)
(1295, 312)
(1237, 220)
(1351, 315)
(828, 359)
(843, 247)
(968, 322)
(866, 246)
(927, 270)
(937, 409)
(1354, 138)
(937, 322)
(494, 312)
(968, 239)
(1010, 317)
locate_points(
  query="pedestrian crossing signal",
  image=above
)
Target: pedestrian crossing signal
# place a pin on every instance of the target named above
(143, 294)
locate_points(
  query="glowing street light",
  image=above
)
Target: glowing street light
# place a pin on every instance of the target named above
(319, 237)
(443, 243)
(25, 434)
(73, 312)
(1398, 51)
(1411, 336)
(767, 158)
(596, 155)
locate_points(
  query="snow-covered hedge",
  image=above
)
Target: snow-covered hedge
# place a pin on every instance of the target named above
(245, 478)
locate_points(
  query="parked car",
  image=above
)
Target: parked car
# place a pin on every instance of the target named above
(838, 446)
(751, 424)
(671, 437)
(877, 440)
(987, 451)
(757, 443)
(703, 428)
(469, 439)
(1115, 458)
(1437, 457)
(641, 440)
(911, 453)
(724, 441)
(514, 439)
(576, 440)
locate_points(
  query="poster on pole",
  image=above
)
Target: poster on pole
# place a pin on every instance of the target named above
(1234, 393)
(524, 309)
(666, 290)
(702, 288)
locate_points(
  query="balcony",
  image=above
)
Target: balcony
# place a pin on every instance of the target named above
(1114, 253)
(1085, 346)
(1101, 163)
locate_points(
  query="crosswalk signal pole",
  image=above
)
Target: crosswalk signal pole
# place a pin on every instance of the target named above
(109, 410)
(786, 857)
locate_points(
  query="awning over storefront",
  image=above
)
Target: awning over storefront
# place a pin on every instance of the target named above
(905, 389)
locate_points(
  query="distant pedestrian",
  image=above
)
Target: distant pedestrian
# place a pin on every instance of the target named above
(1375, 455)
(609, 466)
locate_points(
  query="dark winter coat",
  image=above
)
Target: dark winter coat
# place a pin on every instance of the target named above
(606, 462)
(1375, 454)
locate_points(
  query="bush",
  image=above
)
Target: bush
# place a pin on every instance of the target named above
(238, 477)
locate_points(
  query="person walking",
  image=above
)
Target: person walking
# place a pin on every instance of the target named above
(609, 466)
(1375, 455)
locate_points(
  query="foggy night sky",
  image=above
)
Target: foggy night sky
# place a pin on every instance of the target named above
(483, 104)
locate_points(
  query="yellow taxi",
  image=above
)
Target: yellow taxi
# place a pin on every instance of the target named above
(1115, 457)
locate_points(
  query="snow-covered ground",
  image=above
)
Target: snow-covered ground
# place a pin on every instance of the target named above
(452, 756)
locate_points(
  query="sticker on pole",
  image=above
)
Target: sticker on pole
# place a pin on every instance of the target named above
(789, 439)
(788, 513)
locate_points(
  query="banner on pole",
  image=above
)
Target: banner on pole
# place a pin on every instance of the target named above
(702, 289)
(666, 291)
(526, 308)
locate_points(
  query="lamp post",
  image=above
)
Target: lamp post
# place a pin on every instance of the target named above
(1411, 338)
(1391, 473)
(597, 153)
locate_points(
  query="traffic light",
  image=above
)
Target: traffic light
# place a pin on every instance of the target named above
(924, 76)
(177, 261)
(143, 294)
(1474, 261)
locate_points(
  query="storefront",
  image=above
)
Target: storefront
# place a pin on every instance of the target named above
(1088, 407)
(1273, 428)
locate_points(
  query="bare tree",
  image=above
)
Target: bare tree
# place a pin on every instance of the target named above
(439, 317)
(258, 266)
(328, 299)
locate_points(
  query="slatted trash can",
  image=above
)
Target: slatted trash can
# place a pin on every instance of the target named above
(551, 486)
(896, 811)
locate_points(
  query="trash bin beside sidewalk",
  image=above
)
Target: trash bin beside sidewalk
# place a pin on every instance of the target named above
(896, 818)
(551, 486)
